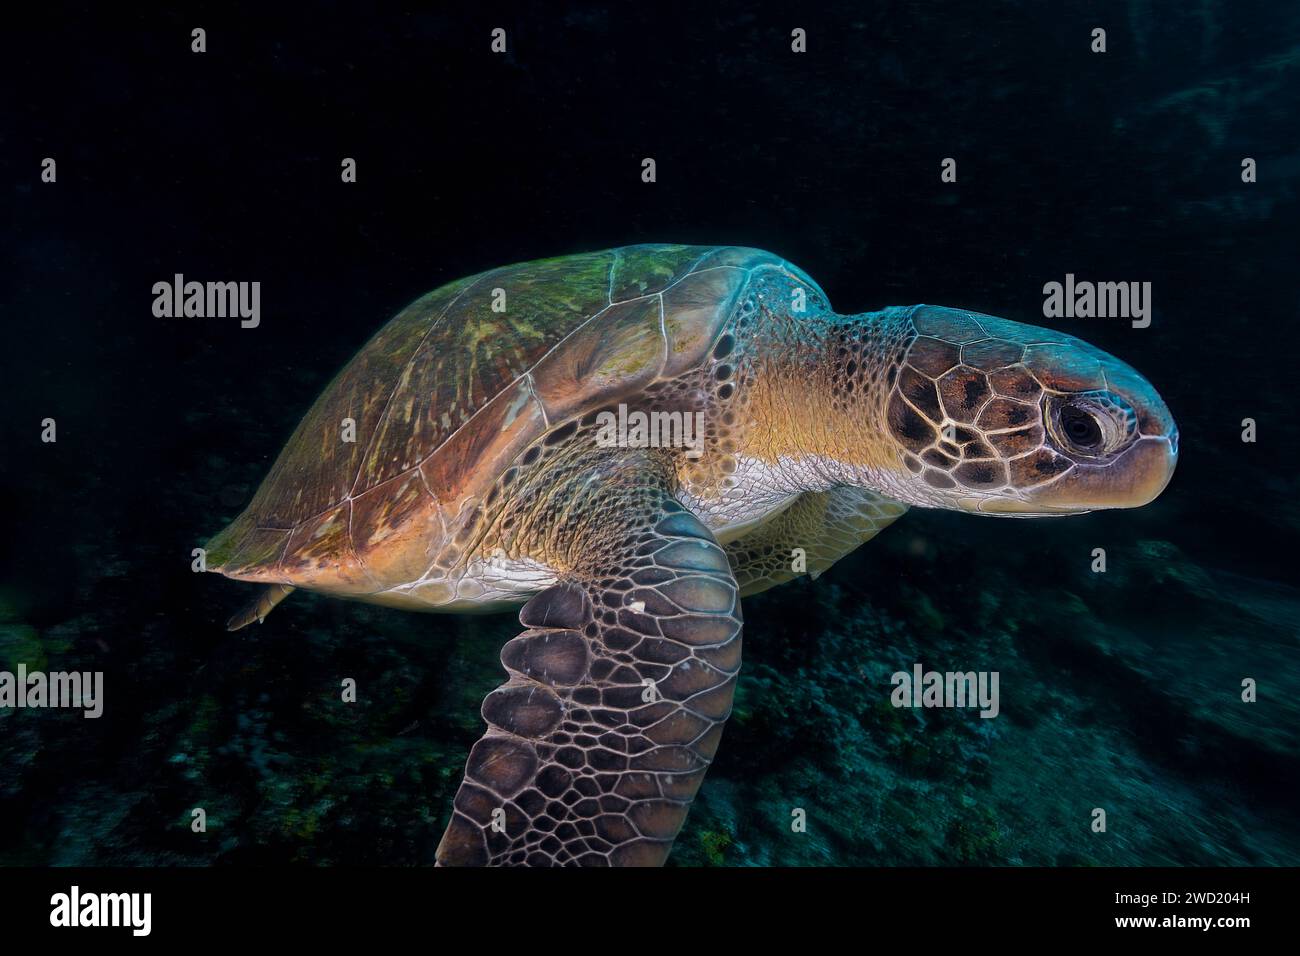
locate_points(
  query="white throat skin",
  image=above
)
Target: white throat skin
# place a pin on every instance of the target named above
(761, 490)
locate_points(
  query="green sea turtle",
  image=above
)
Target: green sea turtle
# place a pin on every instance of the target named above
(630, 441)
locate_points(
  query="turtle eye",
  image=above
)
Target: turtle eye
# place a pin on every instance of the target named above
(1081, 428)
(1090, 424)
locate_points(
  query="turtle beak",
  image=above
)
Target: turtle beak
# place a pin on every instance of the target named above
(1138, 474)
(1134, 478)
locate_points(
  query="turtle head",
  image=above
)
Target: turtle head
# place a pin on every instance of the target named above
(996, 417)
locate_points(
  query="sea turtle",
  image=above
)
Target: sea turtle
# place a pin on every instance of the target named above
(630, 441)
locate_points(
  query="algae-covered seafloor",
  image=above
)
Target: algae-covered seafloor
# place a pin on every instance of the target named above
(1119, 691)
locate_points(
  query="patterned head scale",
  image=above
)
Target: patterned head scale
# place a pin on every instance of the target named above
(998, 417)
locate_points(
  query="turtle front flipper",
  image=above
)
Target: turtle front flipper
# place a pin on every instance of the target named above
(617, 693)
(809, 536)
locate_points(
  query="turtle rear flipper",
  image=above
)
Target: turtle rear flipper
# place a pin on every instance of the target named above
(260, 606)
(616, 697)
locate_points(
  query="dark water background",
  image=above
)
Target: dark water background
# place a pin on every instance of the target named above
(1119, 691)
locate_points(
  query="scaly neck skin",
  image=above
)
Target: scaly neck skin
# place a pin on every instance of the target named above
(821, 386)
